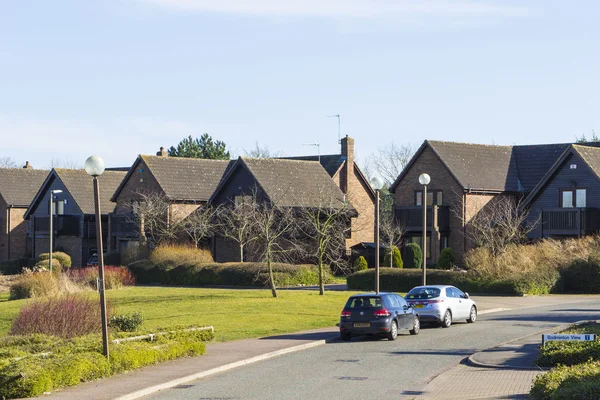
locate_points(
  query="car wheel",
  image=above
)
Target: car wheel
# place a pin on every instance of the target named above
(345, 336)
(393, 331)
(472, 315)
(447, 320)
(416, 327)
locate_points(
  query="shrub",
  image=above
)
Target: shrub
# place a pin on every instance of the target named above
(581, 382)
(413, 255)
(360, 264)
(447, 259)
(396, 258)
(114, 277)
(35, 284)
(582, 276)
(126, 322)
(174, 255)
(65, 317)
(63, 258)
(568, 353)
(45, 264)
(13, 267)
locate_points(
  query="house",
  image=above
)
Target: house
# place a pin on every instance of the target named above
(75, 223)
(18, 187)
(352, 182)
(186, 183)
(466, 177)
(285, 182)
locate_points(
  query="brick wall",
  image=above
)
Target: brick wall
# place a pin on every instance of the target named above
(13, 232)
(138, 182)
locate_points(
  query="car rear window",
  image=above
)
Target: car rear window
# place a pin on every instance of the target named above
(364, 302)
(423, 293)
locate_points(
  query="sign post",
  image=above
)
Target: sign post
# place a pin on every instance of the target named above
(568, 337)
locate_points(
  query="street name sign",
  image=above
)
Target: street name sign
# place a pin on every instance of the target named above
(568, 337)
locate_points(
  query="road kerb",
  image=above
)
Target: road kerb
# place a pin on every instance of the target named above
(175, 382)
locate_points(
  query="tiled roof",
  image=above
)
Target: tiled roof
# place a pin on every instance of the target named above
(591, 155)
(295, 183)
(191, 179)
(18, 186)
(81, 187)
(331, 162)
(533, 161)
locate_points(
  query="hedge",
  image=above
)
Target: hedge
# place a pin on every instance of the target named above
(568, 353)
(14, 267)
(226, 274)
(581, 382)
(81, 360)
(582, 276)
(402, 280)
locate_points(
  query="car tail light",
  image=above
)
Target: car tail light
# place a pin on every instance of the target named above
(435, 301)
(381, 313)
(346, 313)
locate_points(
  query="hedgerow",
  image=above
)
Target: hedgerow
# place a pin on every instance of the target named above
(581, 382)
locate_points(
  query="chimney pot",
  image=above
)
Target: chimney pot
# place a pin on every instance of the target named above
(27, 165)
(162, 152)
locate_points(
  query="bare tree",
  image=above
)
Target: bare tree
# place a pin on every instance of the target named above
(326, 227)
(236, 222)
(153, 213)
(7, 162)
(65, 163)
(273, 224)
(391, 233)
(261, 152)
(389, 161)
(200, 224)
(499, 223)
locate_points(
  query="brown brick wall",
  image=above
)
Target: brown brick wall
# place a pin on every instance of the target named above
(138, 182)
(13, 229)
(363, 227)
(70, 244)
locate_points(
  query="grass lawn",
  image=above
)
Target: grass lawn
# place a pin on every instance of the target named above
(235, 314)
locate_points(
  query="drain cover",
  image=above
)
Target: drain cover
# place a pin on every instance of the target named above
(353, 378)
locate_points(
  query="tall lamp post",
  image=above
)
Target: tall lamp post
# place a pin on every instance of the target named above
(94, 166)
(376, 184)
(424, 180)
(51, 214)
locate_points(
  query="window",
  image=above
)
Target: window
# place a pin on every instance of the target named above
(419, 199)
(433, 197)
(570, 198)
(443, 242)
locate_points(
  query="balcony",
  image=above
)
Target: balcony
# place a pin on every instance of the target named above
(570, 221)
(90, 226)
(62, 225)
(124, 226)
(438, 218)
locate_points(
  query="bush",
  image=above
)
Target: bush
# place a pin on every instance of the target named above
(568, 353)
(396, 258)
(63, 258)
(65, 317)
(35, 284)
(45, 265)
(581, 382)
(413, 255)
(360, 264)
(447, 259)
(582, 276)
(114, 277)
(126, 322)
(170, 256)
(13, 267)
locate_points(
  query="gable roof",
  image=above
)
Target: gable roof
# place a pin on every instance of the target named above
(290, 183)
(18, 186)
(182, 179)
(331, 162)
(490, 167)
(81, 188)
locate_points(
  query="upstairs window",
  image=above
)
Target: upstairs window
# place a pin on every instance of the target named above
(570, 198)
(433, 197)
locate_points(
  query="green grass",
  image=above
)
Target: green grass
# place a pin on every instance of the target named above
(235, 314)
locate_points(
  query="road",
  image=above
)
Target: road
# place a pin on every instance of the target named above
(369, 368)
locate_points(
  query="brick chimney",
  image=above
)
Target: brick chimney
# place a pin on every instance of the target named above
(162, 152)
(347, 151)
(27, 165)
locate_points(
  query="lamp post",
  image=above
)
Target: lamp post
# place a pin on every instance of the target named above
(376, 184)
(50, 229)
(94, 166)
(424, 180)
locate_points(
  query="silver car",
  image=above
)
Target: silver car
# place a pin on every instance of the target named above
(442, 304)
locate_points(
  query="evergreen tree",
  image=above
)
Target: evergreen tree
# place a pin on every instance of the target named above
(204, 147)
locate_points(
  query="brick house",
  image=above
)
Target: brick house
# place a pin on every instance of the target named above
(74, 224)
(352, 182)
(18, 187)
(465, 177)
(287, 183)
(186, 183)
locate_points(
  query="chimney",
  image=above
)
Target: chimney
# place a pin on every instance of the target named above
(162, 152)
(348, 152)
(27, 165)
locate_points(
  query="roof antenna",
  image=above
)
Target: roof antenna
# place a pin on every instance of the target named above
(339, 124)
(318, 148)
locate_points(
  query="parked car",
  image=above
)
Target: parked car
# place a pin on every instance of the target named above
(93, 261)
(377, 314)
(442, 304)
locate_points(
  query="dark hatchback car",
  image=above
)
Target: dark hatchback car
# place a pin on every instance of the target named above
(377, 314)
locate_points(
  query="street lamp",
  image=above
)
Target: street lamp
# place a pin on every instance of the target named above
(51, 213)
(376, 184)
(424, 180)
(94, 166)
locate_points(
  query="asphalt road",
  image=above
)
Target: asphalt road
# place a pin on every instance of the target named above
(369, 368)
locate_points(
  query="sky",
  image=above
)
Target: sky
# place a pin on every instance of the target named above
(118, 78)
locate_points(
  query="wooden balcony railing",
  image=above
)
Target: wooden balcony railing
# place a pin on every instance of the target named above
(65, 225)
(411, 218)
(570, 221)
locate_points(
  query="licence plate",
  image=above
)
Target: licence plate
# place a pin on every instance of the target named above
(362, 325)
(419, 305)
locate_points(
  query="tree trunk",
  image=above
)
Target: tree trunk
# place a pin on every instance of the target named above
(241, 252)
(271, 277)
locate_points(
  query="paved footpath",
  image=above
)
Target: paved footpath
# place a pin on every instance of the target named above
(503, 371)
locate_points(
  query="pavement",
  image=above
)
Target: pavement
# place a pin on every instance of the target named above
(506, 371)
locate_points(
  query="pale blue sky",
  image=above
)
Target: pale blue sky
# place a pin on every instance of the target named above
(122, 77)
